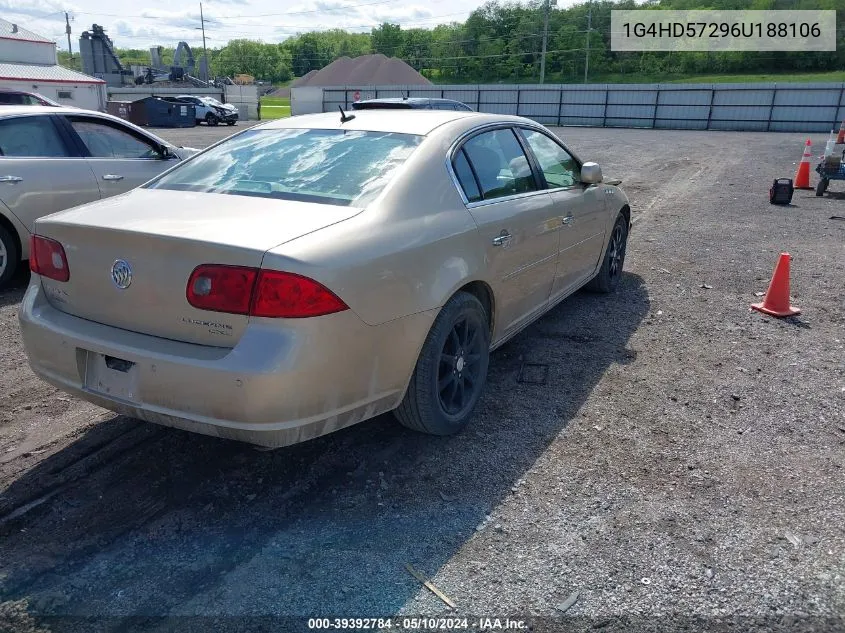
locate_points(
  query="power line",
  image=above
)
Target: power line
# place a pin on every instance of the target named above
(241, 15)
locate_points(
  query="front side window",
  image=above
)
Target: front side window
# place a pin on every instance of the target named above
(500, 164)
(31, 137)
(559, 168)
(106, 141)
(340, 167)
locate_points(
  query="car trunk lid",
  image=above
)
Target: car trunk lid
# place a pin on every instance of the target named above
(150, 241)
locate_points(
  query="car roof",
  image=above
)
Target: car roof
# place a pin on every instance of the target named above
(12, 110)
(409, 100)
(397, 100)
(419, 122)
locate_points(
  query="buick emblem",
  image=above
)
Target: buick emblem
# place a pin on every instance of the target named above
(121, 274)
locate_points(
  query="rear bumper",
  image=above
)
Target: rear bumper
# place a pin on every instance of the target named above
(281, 384)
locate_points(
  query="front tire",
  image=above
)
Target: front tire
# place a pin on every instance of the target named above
(9, 257)
(212, 119)
(451, 371)
(614, 258)
(821, 187)
(230, 123)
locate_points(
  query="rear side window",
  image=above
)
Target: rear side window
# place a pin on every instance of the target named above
(465, 177)
(337, 167)
(500, 164)
(31, 137)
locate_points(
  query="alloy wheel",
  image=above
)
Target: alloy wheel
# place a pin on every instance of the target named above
(616, 251)
(458, 375)
(4, 258)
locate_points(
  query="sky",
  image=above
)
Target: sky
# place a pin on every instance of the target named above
(159, 22)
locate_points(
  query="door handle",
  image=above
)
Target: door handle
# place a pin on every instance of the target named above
(112, 177)
(10, 179)
(503, 239)
(567, 220)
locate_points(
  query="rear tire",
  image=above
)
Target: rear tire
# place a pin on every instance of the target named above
(822, 187)
(212, 119)
(9, 257)
(451, 371)
(614, 259)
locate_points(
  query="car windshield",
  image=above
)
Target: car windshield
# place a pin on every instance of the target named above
(339, 167)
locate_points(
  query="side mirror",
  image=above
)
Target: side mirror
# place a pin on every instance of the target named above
(165, 152)
(591, 173)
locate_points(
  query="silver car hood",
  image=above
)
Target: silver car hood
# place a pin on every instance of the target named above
(185, 152)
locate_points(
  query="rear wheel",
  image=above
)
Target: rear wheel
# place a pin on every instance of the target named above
(822, 187)
(451, 370)
(212, 119)
(614, 259)
(9, 257)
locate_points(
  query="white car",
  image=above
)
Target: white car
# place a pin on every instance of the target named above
(211, 110)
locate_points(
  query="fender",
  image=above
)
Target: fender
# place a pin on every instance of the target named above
(18, 229)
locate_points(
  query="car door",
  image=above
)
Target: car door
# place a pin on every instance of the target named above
(198, 107)
(516, 221)
(580, 208)
(120, 157)
(41, 171)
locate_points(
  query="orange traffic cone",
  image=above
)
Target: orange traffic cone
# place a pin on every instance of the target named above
(802, 175)
(841, 138)
(776, 301)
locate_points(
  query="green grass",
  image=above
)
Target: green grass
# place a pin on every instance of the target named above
(274, 108)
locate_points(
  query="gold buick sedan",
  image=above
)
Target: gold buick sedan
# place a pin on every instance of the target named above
(313, 272)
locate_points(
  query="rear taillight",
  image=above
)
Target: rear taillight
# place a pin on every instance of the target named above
(290, 296)
(47, 258)
(260, 293)
(221, 288)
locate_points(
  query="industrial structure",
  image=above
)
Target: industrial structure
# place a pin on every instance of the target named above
(29, 62)
(100, 60)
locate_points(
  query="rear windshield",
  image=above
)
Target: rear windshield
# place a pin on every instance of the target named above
(339, 167)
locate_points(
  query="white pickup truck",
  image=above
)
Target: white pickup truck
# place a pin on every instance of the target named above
(211, 110)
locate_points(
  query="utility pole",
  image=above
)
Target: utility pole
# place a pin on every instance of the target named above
(67, 30)
(546, 6)
(204, 50)
(589, 30)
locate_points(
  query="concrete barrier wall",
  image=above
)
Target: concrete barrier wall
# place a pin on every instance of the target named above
(245, 99)
(139, 92)
(787, 107)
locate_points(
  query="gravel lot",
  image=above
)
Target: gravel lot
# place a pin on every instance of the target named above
(681, 468)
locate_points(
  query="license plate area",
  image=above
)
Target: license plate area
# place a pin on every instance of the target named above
(111, 376)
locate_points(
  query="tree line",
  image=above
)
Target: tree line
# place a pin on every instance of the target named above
(501, 42)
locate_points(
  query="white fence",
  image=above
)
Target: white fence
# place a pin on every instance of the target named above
(787, 107)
